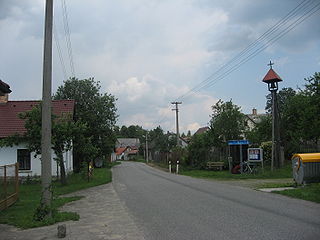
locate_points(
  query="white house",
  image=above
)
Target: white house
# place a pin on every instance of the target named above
(10, 124)
(254, 118)
(125, 149)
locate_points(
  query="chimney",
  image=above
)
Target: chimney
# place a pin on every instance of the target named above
(254, 111)
(4, 98)
(4, 92)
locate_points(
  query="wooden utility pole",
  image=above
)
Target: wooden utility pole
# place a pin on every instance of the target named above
(177, 120)
(46, 108)
(272, 79)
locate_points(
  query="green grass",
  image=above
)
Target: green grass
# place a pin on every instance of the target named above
(21, 213)
(275, 185)
(139, 159)
(285, 172)
(309, 192)
(77, 182)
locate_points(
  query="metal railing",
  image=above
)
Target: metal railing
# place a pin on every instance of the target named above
(9, 185)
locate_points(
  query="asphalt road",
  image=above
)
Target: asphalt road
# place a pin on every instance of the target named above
(168, 206)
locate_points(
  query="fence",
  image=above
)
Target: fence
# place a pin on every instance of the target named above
(9, 181)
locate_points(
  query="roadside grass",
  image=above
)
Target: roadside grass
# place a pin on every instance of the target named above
(310, 192)
(138, 159)
(284, 172)
(275, 185)
(21, 213)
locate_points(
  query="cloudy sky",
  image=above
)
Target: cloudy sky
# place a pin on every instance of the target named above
(149, 53)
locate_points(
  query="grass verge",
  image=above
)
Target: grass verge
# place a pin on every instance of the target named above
(310, 192)
(21, 213)
(275, 185)
(285, 172)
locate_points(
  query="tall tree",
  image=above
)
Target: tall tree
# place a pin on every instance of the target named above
(262, 131)
(299, 114)
(227, 122)
(96, 111)
(199, 150)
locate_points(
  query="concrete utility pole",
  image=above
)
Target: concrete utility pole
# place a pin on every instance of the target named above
(46, 108)
(147, 152)
(177, 120)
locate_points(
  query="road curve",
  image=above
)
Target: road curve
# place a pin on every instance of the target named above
(168, 206)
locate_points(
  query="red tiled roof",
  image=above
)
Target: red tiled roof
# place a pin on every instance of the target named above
(120, 150)
(271, 76)
(10, 123)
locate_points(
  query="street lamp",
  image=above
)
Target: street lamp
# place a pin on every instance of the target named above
(272, 79)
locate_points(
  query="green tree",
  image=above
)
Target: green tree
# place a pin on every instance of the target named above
(95, 111)
(262, 131)
(227, 122)
(299, 114)
(282, 98)
(199, 150)
(189, 133)
(159, 139)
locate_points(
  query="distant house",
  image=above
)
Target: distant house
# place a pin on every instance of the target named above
(126, 149)
(128, 142)
(254, 118)
(184, 141)
(202, 130)
(11, 124)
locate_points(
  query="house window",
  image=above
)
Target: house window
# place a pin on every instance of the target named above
(24, 159)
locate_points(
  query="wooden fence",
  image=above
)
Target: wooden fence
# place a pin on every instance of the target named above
(9, 189)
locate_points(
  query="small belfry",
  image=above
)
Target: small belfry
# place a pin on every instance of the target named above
(272, 79)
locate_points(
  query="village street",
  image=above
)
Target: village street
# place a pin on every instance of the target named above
(168, 206)
(146, 203)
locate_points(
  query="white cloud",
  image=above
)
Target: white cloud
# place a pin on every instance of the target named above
(149, 52)
(132, 88)
(192, 127)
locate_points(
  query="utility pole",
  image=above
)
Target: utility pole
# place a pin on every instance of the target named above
(177, 120)
(147, 153)
(46, 108)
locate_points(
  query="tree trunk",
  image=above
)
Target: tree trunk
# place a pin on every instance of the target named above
(63, 178)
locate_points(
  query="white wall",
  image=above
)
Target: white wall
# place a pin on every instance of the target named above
(113, 157)
(8, 155)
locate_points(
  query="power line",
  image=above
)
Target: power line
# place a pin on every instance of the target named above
(251, 46)
(304, 9)
(269, 43)
(57, 43)
(301, 8)
(67, 35)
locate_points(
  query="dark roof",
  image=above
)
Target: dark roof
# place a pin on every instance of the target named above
(4, 88)
(10, 123)
(202, 130)
(271, 76)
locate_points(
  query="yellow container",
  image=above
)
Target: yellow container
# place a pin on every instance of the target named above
(306, 167)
